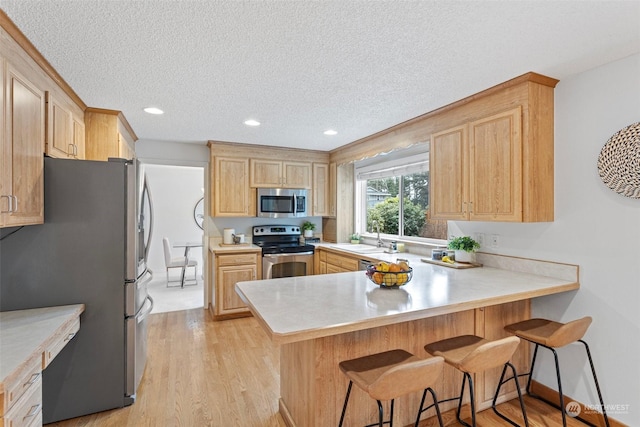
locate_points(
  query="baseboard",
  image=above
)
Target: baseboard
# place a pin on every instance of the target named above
(285, 414)
(590, 416)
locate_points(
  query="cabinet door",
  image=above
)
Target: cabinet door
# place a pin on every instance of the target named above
(231, 187)
(495, 168)
(228, 276)
(320, 189)
(297, 175)
(79, 138)
(333, 189)
(266, 173)
(448, 174)
(59, 129)
(23, 162)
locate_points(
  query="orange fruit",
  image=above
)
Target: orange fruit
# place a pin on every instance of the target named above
(377, 278)
(394, 268)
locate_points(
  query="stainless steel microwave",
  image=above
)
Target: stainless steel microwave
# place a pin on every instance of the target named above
(282, 203)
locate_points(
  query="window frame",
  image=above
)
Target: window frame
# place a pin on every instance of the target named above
(400, 164)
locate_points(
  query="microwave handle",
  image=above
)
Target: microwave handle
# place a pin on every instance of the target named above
(295, 204)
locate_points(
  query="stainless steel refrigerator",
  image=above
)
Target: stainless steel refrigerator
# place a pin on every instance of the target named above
(87, 251)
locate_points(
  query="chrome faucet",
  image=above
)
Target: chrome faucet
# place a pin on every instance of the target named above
(377, 226)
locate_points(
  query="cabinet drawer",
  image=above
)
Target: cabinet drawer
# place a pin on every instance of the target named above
(349, 264)
(237, 259)
(15, 389)
(28, 410)
(56, 347)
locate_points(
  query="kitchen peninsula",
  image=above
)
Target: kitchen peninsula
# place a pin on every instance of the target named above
(323, 319)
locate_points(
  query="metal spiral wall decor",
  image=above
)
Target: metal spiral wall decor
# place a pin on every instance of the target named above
(619, 162)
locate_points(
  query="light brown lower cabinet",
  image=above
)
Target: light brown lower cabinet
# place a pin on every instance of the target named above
(229, 269)
(336, 262)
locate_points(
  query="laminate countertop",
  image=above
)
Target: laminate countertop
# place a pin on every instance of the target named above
(301, 308)
(25, 334)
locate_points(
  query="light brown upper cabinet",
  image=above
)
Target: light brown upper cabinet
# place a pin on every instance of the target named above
(108, 134)
(321, 190)
(65, 130)
(497, 165)
(267, 173)
(476, 170)
(231, 193)
(22, 161)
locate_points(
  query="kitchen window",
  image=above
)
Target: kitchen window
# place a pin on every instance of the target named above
(392, 193)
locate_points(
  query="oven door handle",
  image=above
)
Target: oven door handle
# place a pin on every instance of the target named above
(290, 254)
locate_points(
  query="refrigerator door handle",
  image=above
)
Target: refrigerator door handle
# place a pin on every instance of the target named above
(143, 315)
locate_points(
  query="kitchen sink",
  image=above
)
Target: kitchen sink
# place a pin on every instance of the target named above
(359, 248)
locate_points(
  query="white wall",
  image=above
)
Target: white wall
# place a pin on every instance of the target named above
(175, 191)
(595, 228)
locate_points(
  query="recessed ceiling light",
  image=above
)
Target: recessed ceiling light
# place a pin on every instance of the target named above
(330, 132)
(153, 110)
(252, 122)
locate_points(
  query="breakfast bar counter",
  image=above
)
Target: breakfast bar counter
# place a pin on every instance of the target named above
(321, 320)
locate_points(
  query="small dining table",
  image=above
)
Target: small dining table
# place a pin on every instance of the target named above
(187, 246)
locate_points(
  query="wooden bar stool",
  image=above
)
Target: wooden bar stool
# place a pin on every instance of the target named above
(391, 374)
(472, 354)
(552, 335)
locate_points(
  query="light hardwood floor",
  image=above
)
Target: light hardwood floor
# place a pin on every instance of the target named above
(226, 374)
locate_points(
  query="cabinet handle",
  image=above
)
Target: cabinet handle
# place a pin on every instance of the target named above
(9, 203)
(70, 151)
(15, 207)
(470, 207)
(34, 410)
(70, 336)
(32, 380)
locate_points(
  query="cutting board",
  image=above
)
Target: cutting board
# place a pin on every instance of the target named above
(458, 265)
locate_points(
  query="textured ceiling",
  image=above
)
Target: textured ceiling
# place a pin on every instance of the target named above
(301, 67)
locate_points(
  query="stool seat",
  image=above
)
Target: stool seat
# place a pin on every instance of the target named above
(391, 374)
(472, 354)
(550, 333)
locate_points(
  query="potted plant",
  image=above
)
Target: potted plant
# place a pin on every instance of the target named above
(308, 228)
(355, 238)
(464, 248)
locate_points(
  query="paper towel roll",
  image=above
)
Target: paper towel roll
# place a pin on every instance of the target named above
(227, 237)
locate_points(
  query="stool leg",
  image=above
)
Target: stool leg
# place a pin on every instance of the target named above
(435, 403)
(466, 377)
(381, 414)
(346, 400)
(533, 363)
(595, 379)
(495, 397)
(562, 408)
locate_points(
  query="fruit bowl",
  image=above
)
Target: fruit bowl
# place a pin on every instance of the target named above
(389, 279)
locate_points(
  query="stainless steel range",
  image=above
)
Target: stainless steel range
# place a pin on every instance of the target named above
(282, 253)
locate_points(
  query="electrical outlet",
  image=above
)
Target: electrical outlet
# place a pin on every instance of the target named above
(495, 240)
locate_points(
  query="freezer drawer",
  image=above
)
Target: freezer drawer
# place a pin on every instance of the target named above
(136, 333)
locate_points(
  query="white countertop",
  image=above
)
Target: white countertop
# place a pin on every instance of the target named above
(300, 308)
(24, 334)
